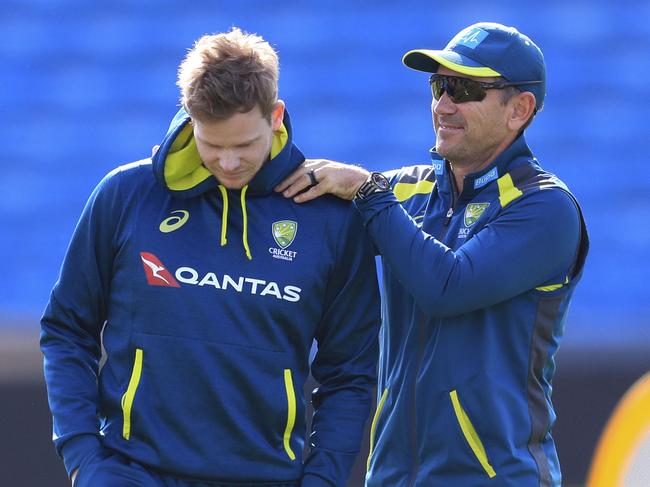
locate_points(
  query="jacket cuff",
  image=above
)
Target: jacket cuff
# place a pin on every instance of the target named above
(311, 480)
(77, 448)
(373, 204)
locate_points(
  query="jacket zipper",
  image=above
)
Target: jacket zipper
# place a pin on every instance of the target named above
(450, 212)
(415, 461)
(445, 223)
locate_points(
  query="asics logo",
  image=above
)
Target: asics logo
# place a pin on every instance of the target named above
(174, 222)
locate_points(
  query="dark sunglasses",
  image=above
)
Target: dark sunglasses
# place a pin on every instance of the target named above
(461, 90)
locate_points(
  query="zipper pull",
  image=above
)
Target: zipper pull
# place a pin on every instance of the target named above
(450, 213)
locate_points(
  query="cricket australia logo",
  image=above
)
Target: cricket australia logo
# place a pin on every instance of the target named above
(473, 212)
(284, 233)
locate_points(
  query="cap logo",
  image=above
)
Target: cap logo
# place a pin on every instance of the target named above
(471, 38)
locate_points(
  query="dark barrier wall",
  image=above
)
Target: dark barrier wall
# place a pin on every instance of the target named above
(587, 388)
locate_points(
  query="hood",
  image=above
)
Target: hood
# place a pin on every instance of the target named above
(178, 167)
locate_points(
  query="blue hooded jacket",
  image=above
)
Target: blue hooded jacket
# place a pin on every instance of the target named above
(476, 287)
(206, 301)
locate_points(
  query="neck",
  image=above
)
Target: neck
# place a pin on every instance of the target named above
(460, 169)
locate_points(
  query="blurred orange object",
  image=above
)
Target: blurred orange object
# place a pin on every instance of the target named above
(622, 457)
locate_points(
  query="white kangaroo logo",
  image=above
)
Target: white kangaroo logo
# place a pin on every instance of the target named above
(155, 269)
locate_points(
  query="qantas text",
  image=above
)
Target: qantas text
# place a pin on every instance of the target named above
(240, 284)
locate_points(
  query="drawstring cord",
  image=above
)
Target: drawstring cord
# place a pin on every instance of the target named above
(244, 235)
(224, 215)
(224, 219)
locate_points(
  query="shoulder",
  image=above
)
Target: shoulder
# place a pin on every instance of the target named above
(137, 169)
(411, 174)
(539, 197)
(528, 182)
(412, 180)
(337, 218)
(132, 174)
(338, 212)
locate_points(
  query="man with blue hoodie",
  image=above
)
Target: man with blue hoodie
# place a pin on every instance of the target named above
(206, 289)
(481, 253)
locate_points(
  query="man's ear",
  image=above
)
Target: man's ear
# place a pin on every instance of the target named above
(277, 115)
(523, 107)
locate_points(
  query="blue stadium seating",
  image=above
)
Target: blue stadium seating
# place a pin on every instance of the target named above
(90, 85)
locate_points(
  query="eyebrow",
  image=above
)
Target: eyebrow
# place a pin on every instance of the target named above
(248, 142)
(241, 144)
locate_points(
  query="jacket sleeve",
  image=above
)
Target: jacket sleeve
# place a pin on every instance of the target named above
(346, 362)
(71, 326)
(532, 240)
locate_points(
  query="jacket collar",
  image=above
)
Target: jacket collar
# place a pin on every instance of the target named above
(514, 155)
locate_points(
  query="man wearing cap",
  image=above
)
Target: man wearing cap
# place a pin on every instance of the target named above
(481, 252)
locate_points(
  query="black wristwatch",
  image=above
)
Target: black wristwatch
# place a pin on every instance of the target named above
(376, 183)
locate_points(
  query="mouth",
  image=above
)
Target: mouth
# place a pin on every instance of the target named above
(233, 175)
(449, 128)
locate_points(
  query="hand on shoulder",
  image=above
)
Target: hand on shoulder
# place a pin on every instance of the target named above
(321, 176)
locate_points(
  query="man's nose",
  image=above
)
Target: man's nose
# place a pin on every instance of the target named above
(229, 161)
(443, 105)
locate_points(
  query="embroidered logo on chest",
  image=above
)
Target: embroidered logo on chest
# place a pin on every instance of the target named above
(473, 212)
(284, 233)
(174, 222)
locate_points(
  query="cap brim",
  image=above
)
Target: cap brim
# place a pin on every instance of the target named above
(428, 60)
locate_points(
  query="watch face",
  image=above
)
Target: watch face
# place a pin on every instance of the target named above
(377, 182)
(380, 181)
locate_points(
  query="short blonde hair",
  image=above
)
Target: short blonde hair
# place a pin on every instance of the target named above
(228, 73)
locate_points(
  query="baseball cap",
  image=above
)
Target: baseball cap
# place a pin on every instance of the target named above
(488, 49)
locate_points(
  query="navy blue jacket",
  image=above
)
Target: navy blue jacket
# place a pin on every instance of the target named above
(476, 289)
(206, 301)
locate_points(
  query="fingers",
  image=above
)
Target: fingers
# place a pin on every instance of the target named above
(291, 179)
(154, 149)
(319, 176)
(298, 175)
(311, 194)
(315, 164)
(302, 182)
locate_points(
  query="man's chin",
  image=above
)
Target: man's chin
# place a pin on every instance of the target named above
(444, 150)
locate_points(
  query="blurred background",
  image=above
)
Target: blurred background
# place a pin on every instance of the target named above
(87, 86)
